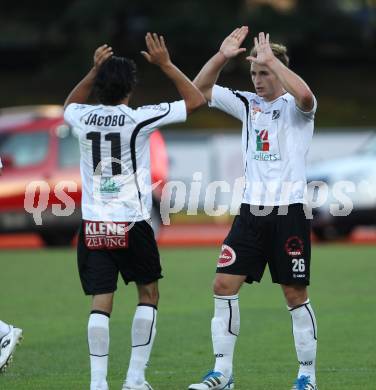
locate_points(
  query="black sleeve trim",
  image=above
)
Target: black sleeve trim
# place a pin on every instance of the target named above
(135, 132)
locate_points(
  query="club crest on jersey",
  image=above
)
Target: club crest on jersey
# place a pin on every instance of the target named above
(294, 246)
(227, 257)
(254, 111)
(276, 114)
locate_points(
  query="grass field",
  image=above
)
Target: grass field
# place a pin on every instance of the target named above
(40, 292)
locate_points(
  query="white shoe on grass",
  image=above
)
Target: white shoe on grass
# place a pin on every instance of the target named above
(144, 386)
(8, 345)
(214, 381)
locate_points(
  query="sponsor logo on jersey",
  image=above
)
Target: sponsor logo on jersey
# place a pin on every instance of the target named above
(108, 186)
(106, 235)
(266, 156)
(262, 141)
(156, 107)
(227, 257)
(80, 106)
(263, 147)
(294, 246)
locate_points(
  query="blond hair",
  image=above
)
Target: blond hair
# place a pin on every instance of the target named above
(279, 50)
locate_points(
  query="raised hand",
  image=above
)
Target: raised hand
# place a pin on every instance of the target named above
(157, 51)
(264, 52)
(231, 45)
(102, 54)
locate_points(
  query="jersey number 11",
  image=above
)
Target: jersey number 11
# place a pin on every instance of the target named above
(114, 138)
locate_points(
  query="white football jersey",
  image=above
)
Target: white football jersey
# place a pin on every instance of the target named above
(276, 137)
(115, 157)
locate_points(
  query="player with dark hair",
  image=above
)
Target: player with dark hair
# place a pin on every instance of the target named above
(115, 79)
(116, 236)
(271, 228)
(10, 336)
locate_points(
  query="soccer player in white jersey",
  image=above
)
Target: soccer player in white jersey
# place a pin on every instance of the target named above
(271, 228)
(116, 236)
(10, 336)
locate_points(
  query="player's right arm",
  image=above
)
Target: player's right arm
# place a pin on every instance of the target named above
(230, 48)
(158, 54)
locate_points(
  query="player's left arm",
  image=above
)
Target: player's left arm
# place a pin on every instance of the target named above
(82, 90)
(290, 81)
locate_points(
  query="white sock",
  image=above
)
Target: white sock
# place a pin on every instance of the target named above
(4, 329)
(99, 342)
(225, 327)
(143, 334)
(305, 336)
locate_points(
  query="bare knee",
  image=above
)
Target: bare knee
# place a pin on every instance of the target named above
(103, 302)
(226, 285)
(295, 295)
(148, 293)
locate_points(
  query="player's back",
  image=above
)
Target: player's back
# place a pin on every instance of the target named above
(115, 156)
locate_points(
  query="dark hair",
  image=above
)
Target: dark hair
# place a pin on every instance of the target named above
(279, 50)
(115, 80)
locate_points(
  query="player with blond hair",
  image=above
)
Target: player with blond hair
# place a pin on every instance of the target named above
(272, 229)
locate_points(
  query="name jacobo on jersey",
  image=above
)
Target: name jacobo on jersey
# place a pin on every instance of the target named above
(115, 157)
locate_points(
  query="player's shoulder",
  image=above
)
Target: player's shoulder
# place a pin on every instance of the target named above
(288, 98)
(242, 95)
(154, 108)
(152, 111)
(78, 108)
(248, 95)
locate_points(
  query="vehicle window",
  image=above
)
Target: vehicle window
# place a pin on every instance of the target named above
(25, 149)
(69, 152)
